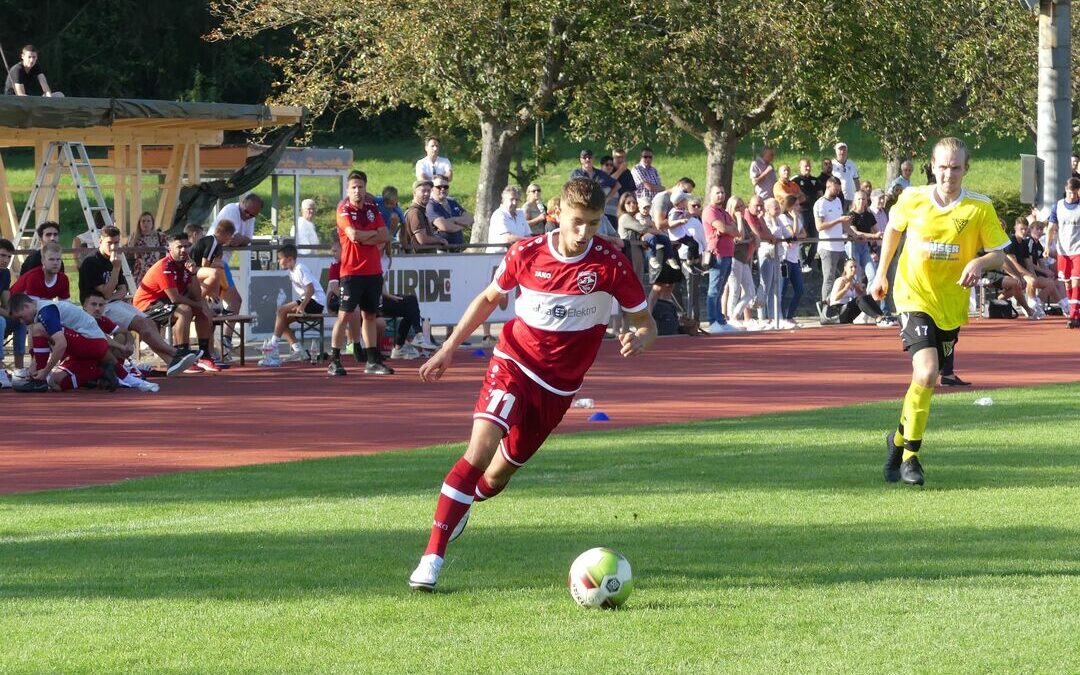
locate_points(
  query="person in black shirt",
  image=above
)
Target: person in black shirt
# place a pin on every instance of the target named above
(207, 255)
(864, 225)
(102, 272)
(26, 78)
(812, 188)
(47, 232)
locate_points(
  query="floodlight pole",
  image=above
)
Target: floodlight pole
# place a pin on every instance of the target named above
(1054, 134)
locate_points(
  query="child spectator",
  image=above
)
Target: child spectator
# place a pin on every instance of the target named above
(679, 234)
(308, 298)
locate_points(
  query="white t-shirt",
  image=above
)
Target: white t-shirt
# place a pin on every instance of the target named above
(306, 233)
(300, 277)
(231, 212)
(824, 211)
(791, 226)
(677, 231)
(847, 173)
(428, 169)
(764, 189)
(503, 223)
(697, 231)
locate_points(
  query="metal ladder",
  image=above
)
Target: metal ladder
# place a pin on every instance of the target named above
(58, 155)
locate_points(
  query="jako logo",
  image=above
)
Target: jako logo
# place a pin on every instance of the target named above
(543, 275)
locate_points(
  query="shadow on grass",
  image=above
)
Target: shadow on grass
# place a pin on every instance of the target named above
(375, 563)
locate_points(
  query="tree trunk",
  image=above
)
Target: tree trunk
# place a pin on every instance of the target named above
(892, 168)
(720, 161)
(498, 141)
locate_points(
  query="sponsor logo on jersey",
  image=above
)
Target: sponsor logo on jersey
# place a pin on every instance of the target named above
(371, 216)
(542, 274)
(562, 311)
(936, 250)
(586, 281)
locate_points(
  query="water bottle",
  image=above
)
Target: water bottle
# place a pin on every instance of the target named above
(583, 403)
(313, 353)
(984, 401)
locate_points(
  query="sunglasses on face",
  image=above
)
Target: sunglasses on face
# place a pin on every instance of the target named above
(646, 156)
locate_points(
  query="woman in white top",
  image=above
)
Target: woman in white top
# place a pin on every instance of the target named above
(849, 299)
(770, 256)
(791, 231)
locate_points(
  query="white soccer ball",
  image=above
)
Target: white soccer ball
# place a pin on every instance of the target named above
(600, 577)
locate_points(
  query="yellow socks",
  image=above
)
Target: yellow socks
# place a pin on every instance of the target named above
(913, 419)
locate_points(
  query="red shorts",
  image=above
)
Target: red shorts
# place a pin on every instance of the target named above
(82, 360)
(526, 411)
(1068, 267)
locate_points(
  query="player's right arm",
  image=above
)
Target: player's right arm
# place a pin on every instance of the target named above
(477, 313)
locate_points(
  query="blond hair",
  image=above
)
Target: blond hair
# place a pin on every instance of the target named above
(955, 145)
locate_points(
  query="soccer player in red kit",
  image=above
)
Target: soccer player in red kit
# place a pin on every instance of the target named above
(566, 280)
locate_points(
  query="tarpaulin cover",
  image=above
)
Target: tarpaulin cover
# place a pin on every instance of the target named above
(25, 112)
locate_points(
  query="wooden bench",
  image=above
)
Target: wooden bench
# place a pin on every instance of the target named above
(219, 322)
(312, 323)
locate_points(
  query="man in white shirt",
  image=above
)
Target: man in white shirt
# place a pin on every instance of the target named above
(845, 169)
(832, 225)
(304, 231)
(763, 174)
(431, 164)
(508, 222)
(309, 298)
(242, 215)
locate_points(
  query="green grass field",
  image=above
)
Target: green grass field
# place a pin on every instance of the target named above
(764, 544)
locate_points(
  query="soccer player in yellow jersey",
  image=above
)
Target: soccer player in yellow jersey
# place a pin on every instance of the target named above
(947, 228)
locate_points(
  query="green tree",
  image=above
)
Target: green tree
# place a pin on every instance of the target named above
(490, 66)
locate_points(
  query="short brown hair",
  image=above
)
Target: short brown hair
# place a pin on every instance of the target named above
(110, 231)
(1073, 183)
(225, 226)
(583, 193)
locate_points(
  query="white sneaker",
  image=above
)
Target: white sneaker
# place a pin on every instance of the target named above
(426, 574)
(147, 386)
(20, 374)
(788, 324)
(861, 320)
(715, 329)
(405, 352)
(421, 342)
(293, 356)
(654, 263)
(5, 381)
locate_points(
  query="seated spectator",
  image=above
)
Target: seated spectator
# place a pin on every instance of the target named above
(47, 232)
(1020, 254)
(677, 231)
(70, 350)
(535, 212)
(507, 222)
(304, 232)
(448, 216)
(1043, 267)
(390, 209)
(8, 324)
(46, 281)
(406, 309)
(121, 342)
(431, 164)
(101, 273)
(170, 291)
(208, 258)
(308, 298)
(849, 299)
(146, 235)
(26, 78)
(418, 234)
(194, 231)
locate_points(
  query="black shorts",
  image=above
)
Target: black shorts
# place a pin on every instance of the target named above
(994, 277)
(918, 331)
(312, 307)
(160, 312)
(363, 291)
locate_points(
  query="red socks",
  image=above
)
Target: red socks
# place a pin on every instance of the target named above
(455, 498)
(485, 491)
(1074, 301)
(39, 347)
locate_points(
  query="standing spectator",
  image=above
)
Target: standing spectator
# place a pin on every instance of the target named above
(631, 231)
(431, 164)
(48, 232)
(791, 232)
(864, 230)
(304, 232)
(361, 232)
(602, 178)
(308, 298)
(621, 172)
(146, 235)
(535, 212)
(507, 223)
(763, 174)
(826, 173)
(831, 226)
(901, 182)
(242, 215)
(661, 203)
(1064, 235)
(448, 216)
(26, 77)
(390, 209)
(418, 230)
(720, 232)
(551, 220)
(47, 281)
(811, 189)
(743, 292)
(1075, 166)
(845, 169)
(646, 178)
(9, 324)
(785, 186)
(770, 254)
(170, 290)
(611, 206)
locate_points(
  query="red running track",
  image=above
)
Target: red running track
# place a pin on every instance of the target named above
(254, 415)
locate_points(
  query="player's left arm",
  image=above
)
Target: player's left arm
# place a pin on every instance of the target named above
(994, 241)
(641, 338)
(59, 347)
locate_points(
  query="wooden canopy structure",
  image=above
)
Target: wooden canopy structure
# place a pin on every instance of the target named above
(124, 127)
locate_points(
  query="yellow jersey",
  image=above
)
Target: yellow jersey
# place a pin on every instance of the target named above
(941, 241)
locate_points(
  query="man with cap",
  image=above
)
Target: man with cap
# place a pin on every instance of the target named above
(845, 169)
(587, 170)
(418, 230)
(448, 216)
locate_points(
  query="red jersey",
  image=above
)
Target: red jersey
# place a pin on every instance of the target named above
(358, 259)
(33, 284)
(165, 273)
(106, 324)
(563, 307)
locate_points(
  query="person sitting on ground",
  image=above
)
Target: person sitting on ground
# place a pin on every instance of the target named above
(849, 299)
(535, 212)
(418, 231)
(431, 164)
(448, 216)
(26, 78)
(308, 298)
(146, 235)
(47, 232)
(121, 342)
(46, 281)
(304, 232)
(8, 324)
(101, 272)
(170, 291)
(70, 350)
